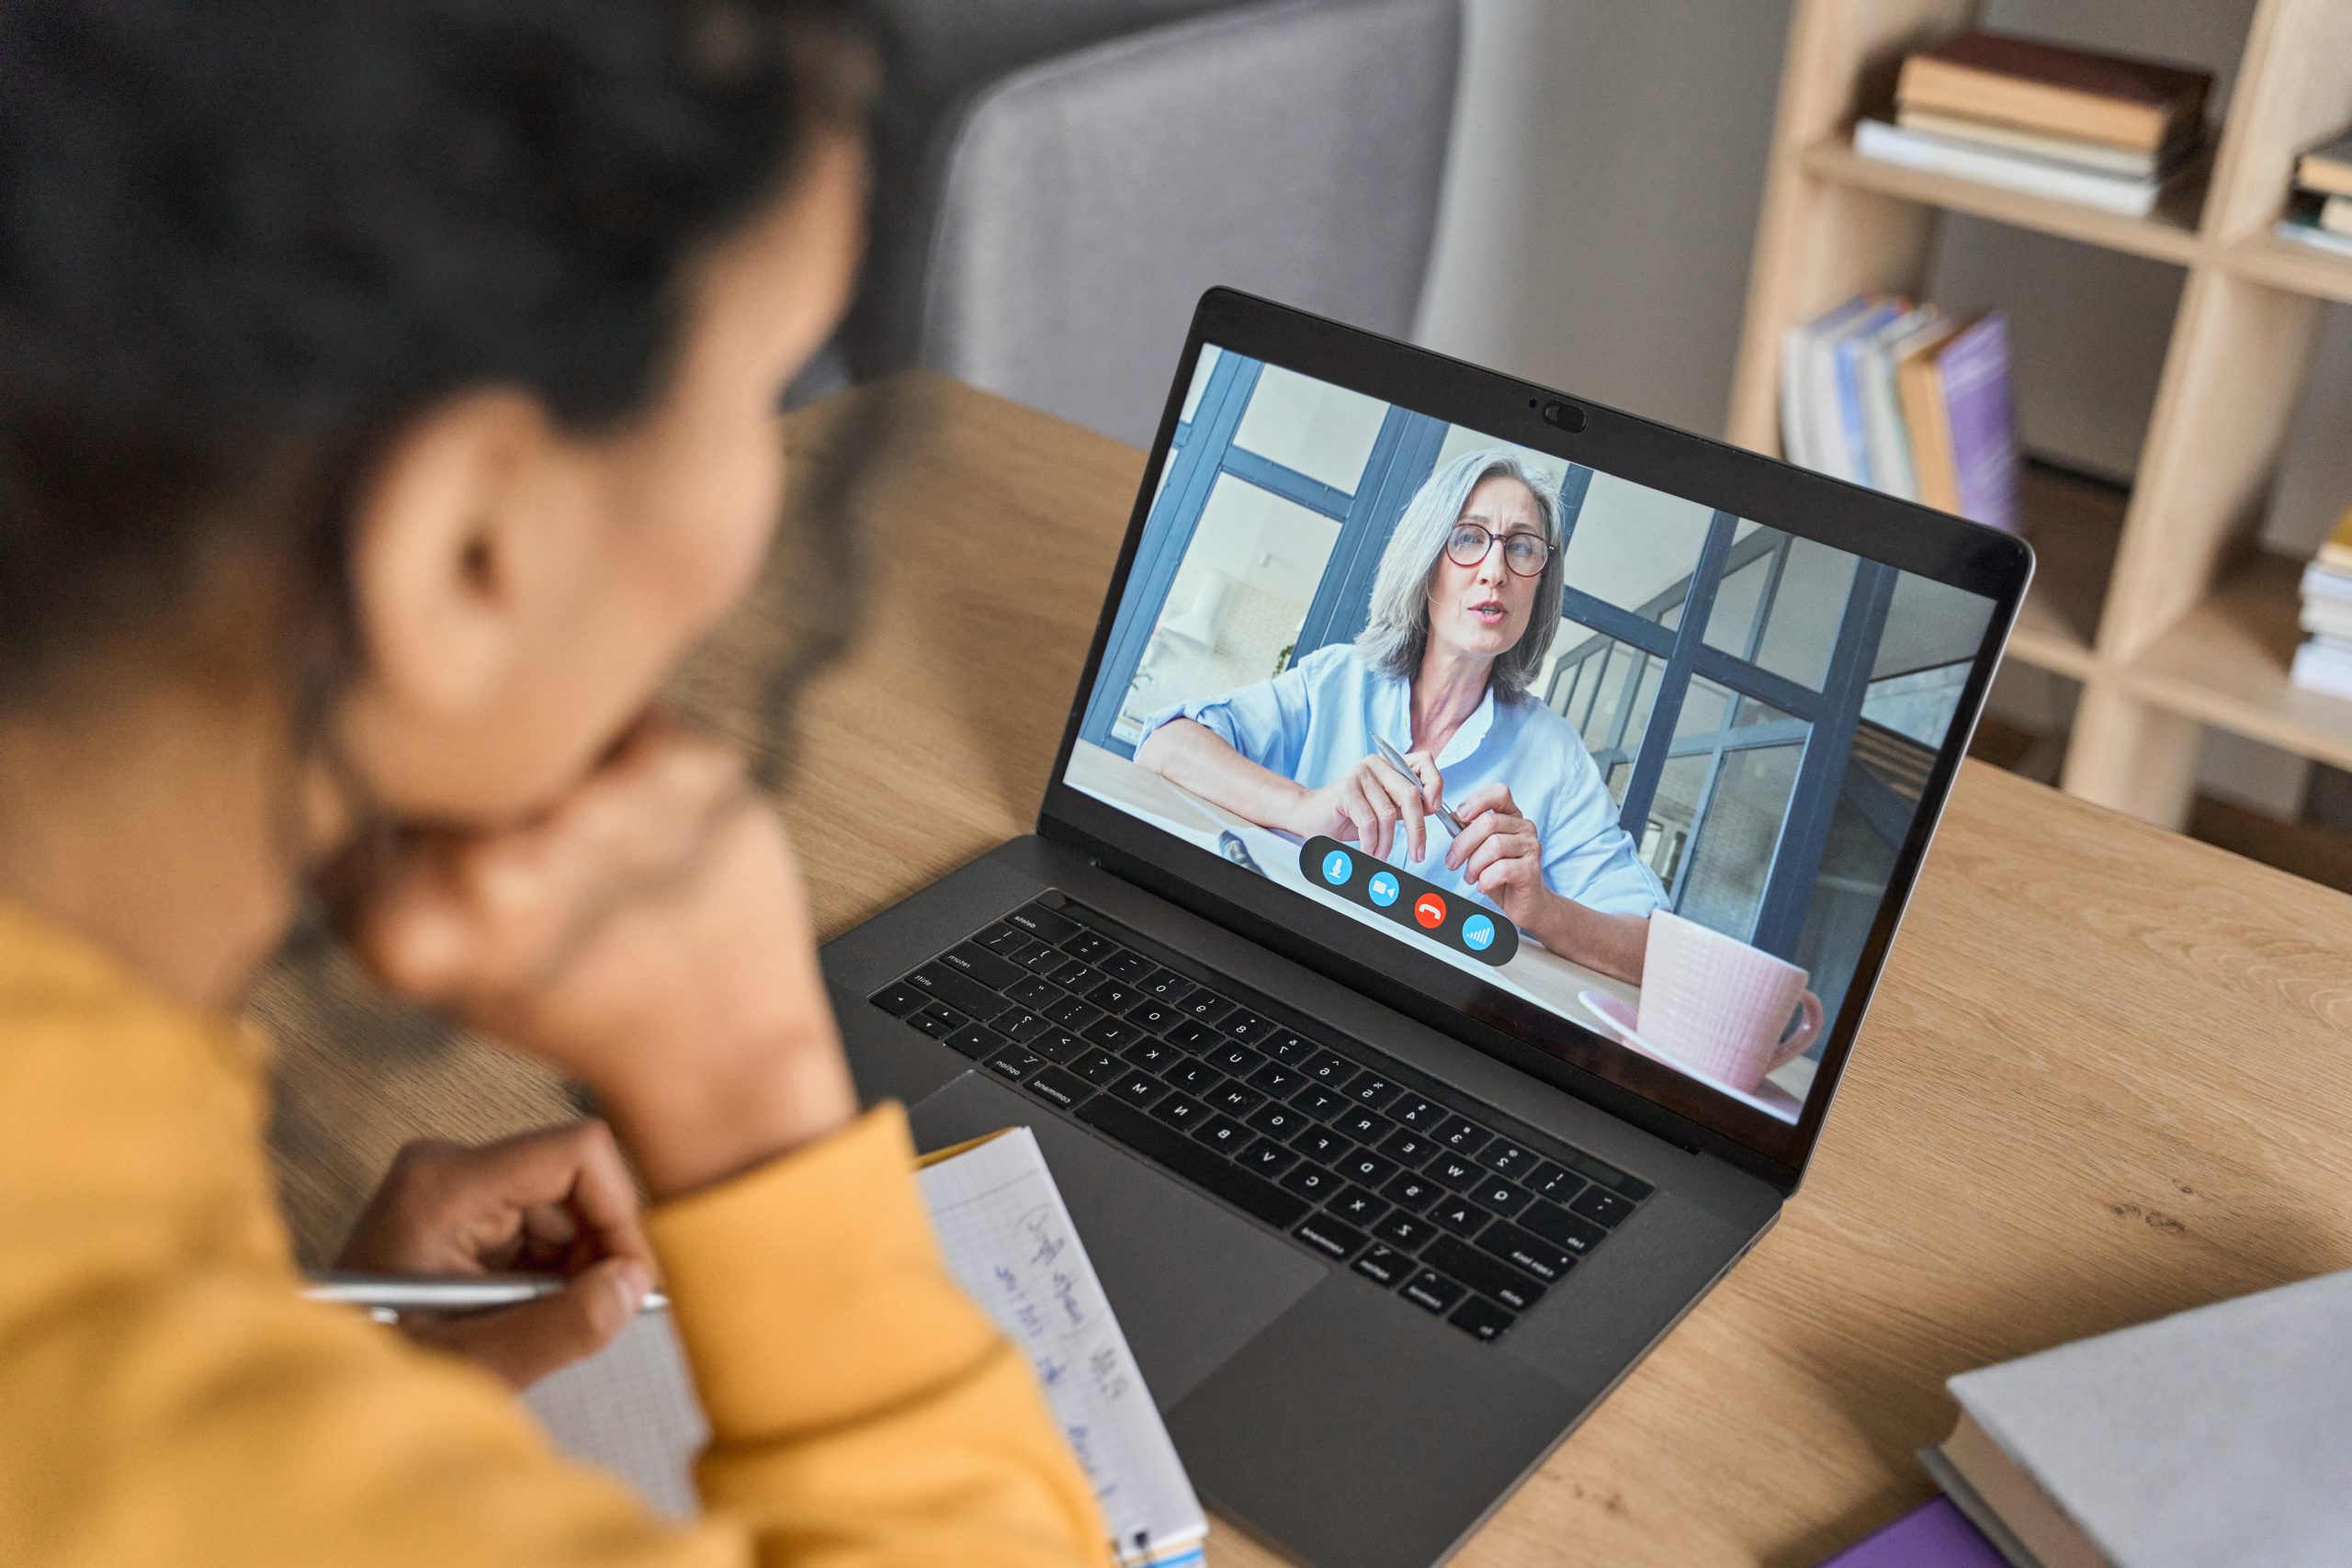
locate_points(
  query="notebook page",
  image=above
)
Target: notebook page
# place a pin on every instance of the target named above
(630, 1409)
(1010, 1242)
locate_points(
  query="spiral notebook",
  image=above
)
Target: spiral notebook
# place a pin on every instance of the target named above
(1009, 1241)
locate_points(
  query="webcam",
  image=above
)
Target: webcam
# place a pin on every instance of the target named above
(1564, 415)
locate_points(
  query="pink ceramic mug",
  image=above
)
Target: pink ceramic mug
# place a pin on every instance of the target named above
(1720, 1006)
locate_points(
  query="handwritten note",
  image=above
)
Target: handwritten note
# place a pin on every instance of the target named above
(1010, 1242)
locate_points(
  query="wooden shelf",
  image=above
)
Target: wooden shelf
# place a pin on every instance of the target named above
(2225, 663)
(2169, 234)
(2285, 263)
(2074, 526)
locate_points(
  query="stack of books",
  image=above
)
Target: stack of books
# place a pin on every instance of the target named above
(2096, 129)
(2323, 663)
(1907, 400)
(2322, 212)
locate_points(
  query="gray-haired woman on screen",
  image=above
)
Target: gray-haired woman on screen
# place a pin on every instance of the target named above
(1463, 608)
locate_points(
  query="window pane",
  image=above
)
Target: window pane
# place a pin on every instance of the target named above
(1324, 432)
(1703, 709)
(1610, 698)
(1801, 628)
(1732, 620)
(1633, 546)
(1236, 604)
(1734, 855)
(1673, 808)
(1637, 717)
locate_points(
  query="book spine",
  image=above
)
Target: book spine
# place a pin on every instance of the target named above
(1853, 432)
(2034, 176)
(1936, 84)
(1920, 382)
(1975, 368)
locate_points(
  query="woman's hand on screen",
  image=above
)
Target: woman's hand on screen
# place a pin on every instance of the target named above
(1376, 807)
(647, 935)
(1501, 854)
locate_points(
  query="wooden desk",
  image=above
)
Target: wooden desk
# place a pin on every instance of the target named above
(2108, 1075)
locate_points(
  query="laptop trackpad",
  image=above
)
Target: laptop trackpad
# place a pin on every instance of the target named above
(1192, 1283)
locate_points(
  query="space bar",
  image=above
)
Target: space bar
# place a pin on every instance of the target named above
(1188, 1159)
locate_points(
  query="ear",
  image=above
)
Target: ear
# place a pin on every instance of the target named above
(445, 549)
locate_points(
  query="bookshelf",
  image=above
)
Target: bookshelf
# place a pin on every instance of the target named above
(2158, 605)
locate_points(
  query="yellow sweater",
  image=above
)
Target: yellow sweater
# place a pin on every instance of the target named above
(166, 1397)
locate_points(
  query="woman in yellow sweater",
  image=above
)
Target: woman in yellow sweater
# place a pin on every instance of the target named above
(386, 399)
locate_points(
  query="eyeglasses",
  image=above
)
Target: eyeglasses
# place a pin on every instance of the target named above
(1525, 554)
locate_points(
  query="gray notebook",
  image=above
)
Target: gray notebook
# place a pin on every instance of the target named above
(2222, 1435)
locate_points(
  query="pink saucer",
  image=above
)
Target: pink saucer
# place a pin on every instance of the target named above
(1767, 1096)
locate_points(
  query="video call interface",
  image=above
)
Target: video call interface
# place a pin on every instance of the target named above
(1643, 764)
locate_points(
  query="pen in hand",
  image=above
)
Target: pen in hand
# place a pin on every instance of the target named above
(389, 1296)
(1396, 759)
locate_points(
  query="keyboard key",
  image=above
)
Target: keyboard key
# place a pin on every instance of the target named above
(1573, 1232)
(1112, 1034)
(1600, 1172)
(1042, 959)
(981, 964)
(1455, 1173)
(1224, 1134)
(1600, 1205)
(1206, 1006)
(1014, 1063)
(1432, 1291)
(1125, 965)
(1045, 924)
(977, 1041)
(1267, 1157)
(1465, 1139)
(1236, 1059)
(1329, 1236)
(1374, 1092)
(1277, 1121)
(1167, 985)
(1366, 1168)
(1407, 1191)
(1019, 1023)
(1202, 1166)
(1459, 1215)
(1290, 1050)
(1406, 1147)
(1194, 1037)
(899, 998)
(1063, 1088)
(1406, 1231)
(1558, 1185)
(1092, 946)
(1181, 1113)
(1154, 1015)
(1248, 1027)
(1482, 1273)
(1321, 1143)
(1193, 1077)
(1138, 1087)
(1505, 1159)
(1505, 1198)
(1005, 941)
(1235, 1098)
(1071, 974)
(1059, 1045)
(1525, 1251)
(1070, 1012)
(1358, 1207)
(1276, 1079)
(1097, 1065)
(1154, 1055)
(1312, 1182)
(1363, 1126)
(1320, 1102)
(957, 989)
(935, 1020)
(1113, 997)
(1421, 1115)
(1332, 1072)
(1384, 1266)
(1480, 1319)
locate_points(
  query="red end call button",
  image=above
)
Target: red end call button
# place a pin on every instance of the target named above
(1430, 911)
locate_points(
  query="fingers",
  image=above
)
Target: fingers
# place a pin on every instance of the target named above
(1487, 797)
(577, 1172)
(1432, 781)
(1411, 809)
(523, 1344)
(1495, 849)
(1482, 828)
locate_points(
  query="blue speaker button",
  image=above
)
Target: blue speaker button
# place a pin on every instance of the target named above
(1338, 867)
(1477, 933)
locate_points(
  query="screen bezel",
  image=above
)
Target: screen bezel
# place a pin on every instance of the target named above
(1910, 537)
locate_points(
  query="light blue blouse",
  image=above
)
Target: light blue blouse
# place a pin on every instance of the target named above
(1315, 720)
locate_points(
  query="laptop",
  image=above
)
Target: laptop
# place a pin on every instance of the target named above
(1394, 1159)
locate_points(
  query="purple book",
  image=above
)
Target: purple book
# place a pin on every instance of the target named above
(1975, 372)
(1934, 1535)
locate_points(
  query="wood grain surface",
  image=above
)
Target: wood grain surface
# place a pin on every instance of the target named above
(2108, 1075)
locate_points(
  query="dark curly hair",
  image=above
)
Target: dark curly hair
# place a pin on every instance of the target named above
(242, 241)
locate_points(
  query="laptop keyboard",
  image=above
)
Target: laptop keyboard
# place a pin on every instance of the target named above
(1354, 1158)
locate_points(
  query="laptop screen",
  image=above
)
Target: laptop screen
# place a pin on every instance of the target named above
(1642, 763)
